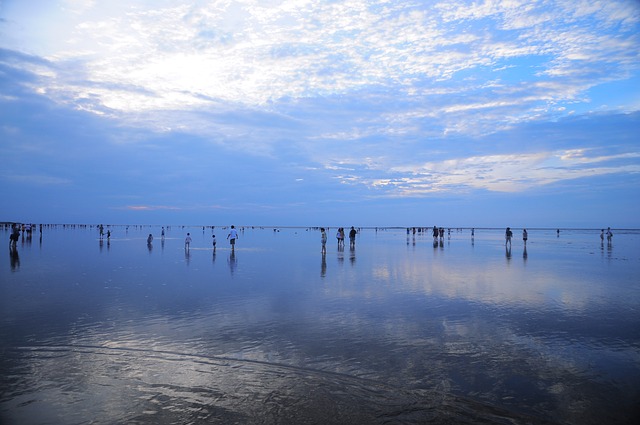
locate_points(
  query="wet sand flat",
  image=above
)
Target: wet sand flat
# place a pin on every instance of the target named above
(395, 330)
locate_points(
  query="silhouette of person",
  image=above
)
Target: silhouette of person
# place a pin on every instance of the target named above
(187, 242)
(15, 235)
(323, 240)
(352, 237)
(525, 236)
(507, 235)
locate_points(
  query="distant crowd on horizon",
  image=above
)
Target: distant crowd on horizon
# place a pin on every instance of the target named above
(25, 233)
(438, 233)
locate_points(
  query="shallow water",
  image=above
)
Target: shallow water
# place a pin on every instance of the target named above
(395, 331)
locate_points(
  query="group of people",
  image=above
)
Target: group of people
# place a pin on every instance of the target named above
(609, 235)
(101, 228)
(27, 229)
(508, 234)
(232, 236)
(525, 235)
(438, 232)
(340, 237)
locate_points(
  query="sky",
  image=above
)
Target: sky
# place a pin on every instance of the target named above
(485, 113)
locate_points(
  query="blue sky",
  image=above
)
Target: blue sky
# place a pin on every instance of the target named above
(305, 112)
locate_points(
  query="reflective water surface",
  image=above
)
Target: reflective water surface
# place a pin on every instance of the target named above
(396, 330)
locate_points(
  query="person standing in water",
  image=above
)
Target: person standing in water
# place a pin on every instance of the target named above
(232, 236)
(187, 242)
(214, 242)
(352, 237)
(323, 240)
(507, 235)
(15, 235)
(525, 236)
(340, 237)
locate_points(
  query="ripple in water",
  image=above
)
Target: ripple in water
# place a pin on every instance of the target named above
(69, 384)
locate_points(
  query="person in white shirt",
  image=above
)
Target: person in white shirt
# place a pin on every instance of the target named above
(232, 236)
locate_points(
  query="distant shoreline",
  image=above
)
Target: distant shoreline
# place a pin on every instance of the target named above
(6, 224)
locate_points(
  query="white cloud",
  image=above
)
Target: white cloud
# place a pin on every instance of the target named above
(251, 53)
(497, 173)
(380, 70)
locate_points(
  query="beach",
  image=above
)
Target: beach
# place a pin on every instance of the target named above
(398, 329)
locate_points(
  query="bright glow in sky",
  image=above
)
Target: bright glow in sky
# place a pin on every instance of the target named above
(308, 112)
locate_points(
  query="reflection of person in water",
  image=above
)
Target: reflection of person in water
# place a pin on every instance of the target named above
(187, 255)
(14, 257)
(233, 263)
